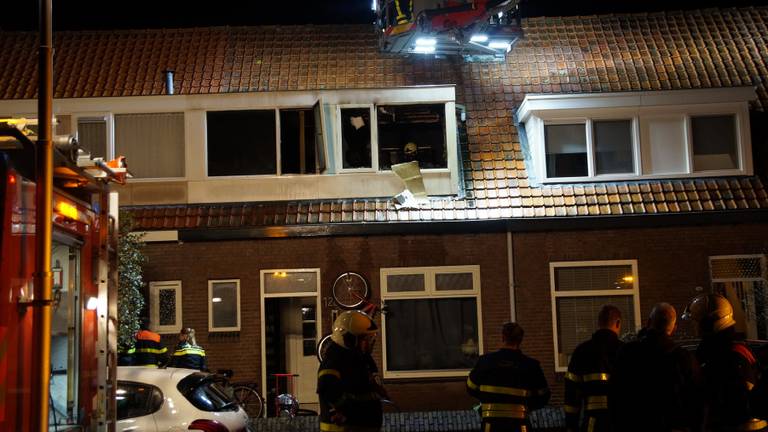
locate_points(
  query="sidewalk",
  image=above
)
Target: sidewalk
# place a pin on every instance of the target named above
(547, 419)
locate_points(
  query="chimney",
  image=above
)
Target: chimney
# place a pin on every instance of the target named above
(168, 81)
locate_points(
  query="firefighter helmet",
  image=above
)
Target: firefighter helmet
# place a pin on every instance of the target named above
(712, 312)
(351, 327)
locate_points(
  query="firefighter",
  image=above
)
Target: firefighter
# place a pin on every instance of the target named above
(591, 365)
(188, 353)
(729, 367)
(149, 352)
(508, 384)
(654, 382)
(347, 381)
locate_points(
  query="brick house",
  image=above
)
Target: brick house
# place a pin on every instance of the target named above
(616, 158)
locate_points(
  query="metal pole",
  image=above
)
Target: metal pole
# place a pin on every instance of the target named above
(41, 342)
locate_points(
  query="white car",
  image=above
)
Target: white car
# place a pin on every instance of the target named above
(155, 400)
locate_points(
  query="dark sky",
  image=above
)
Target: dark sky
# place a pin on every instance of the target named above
(106, 14)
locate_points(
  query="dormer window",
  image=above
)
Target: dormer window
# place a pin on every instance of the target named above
(623, 136)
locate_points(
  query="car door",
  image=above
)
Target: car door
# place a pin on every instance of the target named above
(136, 402)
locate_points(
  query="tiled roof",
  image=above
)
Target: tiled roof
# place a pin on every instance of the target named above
(607, 53)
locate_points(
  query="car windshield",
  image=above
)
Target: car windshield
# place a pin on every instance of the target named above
(206, 393)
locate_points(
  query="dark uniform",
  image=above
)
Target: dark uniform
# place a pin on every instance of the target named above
(654, 386)
(125, 356)
(586, 382)
(346, 385)
(188, 356)
(730, 373)
(509, 385)
(149, 351)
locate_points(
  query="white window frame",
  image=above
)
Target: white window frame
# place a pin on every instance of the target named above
(536, 111)
(554, 295)
(430, 292)
(108, 119)
(154, 303)
(338, 150)
(211, 328)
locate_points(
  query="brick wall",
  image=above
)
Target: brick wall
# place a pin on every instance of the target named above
(672, 262)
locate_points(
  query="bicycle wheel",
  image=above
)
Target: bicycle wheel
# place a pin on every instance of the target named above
(350, 290)
(322, 346)
(249, 399)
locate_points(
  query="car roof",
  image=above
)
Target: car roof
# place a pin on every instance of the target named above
(154, 376)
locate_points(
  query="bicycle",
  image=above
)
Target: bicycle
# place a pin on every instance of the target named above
(246, 394)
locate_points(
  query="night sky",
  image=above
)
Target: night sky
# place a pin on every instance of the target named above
(101, 14)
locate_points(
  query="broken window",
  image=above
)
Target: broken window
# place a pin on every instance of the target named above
(355, 137)
(298, 153)
(412, 132)
(241, 142)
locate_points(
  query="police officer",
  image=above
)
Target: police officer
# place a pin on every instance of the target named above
(188, 353)
(586, 382)
(729, 367)
(149, 351)
(347, 381)
(508, 384)
(654, 382)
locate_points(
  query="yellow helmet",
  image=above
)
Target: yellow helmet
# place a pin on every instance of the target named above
(350, 326)
(712, 312)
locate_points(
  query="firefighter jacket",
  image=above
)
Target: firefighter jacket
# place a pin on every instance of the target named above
(347, 388)
(149, 351)
(188, 356)
(126, 356)
(509, 385)
(654, 386)
(586, 382)
(730, 372)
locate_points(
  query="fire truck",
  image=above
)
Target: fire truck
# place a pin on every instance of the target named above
(448, 27)
(83, 305)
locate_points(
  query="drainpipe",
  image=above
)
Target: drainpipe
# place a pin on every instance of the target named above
(511, 276)
(43, 278)
(168, 81)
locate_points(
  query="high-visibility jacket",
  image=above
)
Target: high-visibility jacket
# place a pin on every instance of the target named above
(126, 356)
(188, 356)
(730, 373)
(149, 351)
(347, 390)
(586, 382)
(509, 385)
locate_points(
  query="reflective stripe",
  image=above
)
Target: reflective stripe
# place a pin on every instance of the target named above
(487, 427)
(151, 350)
(333, 372)
(597, 402)
(573, 377)
(596, 377)
(505, 390)
(491, 410)
(330, 427)
(571, 409)
(189, 351)
(753, 425)
(591, 424)
(151, 366)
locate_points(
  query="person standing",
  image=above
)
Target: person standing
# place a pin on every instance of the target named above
(149, 351)
(654, 383)
(347, 378)
(729, 367)
(188, 353)
(586, 382)
(508, 384)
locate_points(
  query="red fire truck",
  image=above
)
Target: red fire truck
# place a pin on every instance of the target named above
(84, 322)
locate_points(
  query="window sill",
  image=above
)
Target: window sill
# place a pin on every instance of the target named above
(615, 178)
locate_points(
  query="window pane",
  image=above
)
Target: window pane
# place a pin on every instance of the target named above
(92, 136)
(593, 278)
(224, 304)
(577, 320)
(663, 146)
(297, 141)
(356, 137)
(241, 142)
(453, 281)
(613, 146)
(405, 283)
(431, 334)
(566, 147)
(286, 282)
(136, 400)
(153, 144)
(167, 309)
(714, 143)
(412, 132)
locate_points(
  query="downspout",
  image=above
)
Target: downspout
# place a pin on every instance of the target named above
(43, 278)
(511, 276)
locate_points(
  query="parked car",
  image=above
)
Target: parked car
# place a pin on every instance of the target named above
(172, 399)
